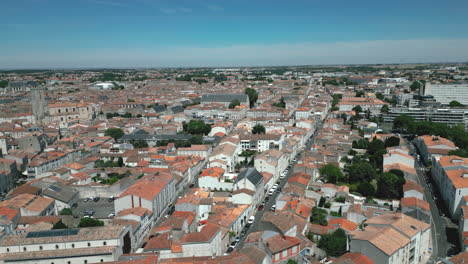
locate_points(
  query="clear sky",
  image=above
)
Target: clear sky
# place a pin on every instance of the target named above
(186, 33)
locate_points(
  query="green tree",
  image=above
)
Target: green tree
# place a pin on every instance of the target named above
(115, 133)
(335, 243)
(357, 109)
(331, 173)
(366, 189)
(3, 83)
(234, 103)
(60, 225)
(253, 95)
(415, 86)
(361, 172)
(360, 94)
(139, 144)
(319, 216)
(385, 109)
(258, 129)
(360, 144)
(375, 145)
(280, 104)
(291, 261)
(198, 127)
(455, 104)
(120, 162)
(90, 222)
(380, 96)
(66, 211)
(390, 186)
(220, 78)
(392, 142)
(459, 152)
(404, 122)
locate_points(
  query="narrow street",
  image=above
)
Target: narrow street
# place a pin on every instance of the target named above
(439, 223)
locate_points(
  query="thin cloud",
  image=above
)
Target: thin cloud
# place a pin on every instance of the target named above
(361, 52)
(215, 8)
(168, 11)
(185, 9)
(109, 3)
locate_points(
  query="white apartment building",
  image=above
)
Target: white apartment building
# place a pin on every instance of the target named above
(392, 239)
(445, 93)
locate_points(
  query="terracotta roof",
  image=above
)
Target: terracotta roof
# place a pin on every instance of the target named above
(8, 212)
(414, 202)
(386, 239)
(149, 186)
(353, 258)
(412, 185)
(279, 243)
(206, 234)
(342, 223)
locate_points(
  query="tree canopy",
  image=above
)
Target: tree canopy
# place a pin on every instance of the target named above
(198, 127)
(253, 95)
(90, 222)
(357, 109)
(390, 185)
(455, 104)
(361, 172)
(115, 133)
(392, 142)
(258, 129)
(319, 216)
(234, 103)
(331, 173)
(335, 243)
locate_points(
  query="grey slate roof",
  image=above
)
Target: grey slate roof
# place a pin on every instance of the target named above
(159, 108)
(252, 175)
(177, 109)
(224, 98)
(154, 137)
(60, 192)
(19, 84)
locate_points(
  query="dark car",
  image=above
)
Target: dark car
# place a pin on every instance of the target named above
(96, 199)
(233, 243)
(230, 249)
(267, 199)
(260, 207)
(191, 185)
(111, 199)
(74, 206)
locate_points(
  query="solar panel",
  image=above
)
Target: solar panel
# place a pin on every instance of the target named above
(55, 188)
(53, 233)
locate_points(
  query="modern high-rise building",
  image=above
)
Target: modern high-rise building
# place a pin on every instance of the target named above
(446, 93)
(449, 116)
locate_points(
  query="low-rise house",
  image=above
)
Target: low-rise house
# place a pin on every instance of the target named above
(30, 205)
(64, 196)
(433, 146)
(152, 192)
(198, 150)
(416, 208)
(392, 238)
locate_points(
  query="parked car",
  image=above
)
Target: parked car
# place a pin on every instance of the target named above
(251, 220)
(260, 207)
(111, 199)
(270, 192)
(111, 215)
(191, 185)
(96, 199)
(230, 249)
(273, 208)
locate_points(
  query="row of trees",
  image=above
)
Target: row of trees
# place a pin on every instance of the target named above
(457, 134)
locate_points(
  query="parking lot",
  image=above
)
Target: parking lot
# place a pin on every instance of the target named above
(102, 208)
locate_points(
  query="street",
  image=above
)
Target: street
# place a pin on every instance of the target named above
(438, 224)
(272, 198)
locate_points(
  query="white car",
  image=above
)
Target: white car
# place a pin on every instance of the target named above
(275, 186)
(270, 192)
(251, 220)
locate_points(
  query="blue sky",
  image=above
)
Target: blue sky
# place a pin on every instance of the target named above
(159, 33)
